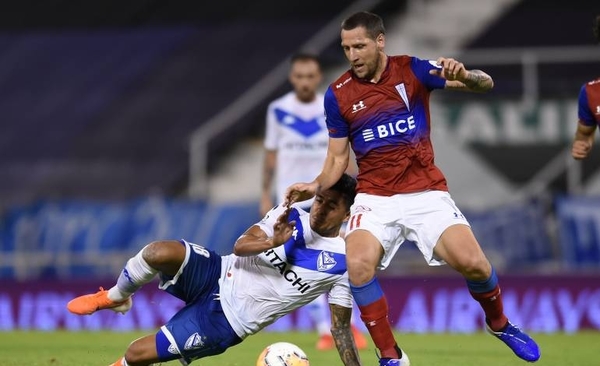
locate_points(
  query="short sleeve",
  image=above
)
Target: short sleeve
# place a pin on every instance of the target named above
(336, 125)
(340, 293)
(421, 70)
(583, 110)
(271, 137)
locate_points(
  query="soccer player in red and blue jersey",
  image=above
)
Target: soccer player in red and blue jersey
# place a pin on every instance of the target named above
(380, 107)
(588, 111)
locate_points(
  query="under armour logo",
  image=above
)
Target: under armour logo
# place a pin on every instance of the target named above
(358, 106)
(342, 83)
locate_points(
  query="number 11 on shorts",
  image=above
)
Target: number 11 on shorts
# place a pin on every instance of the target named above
(355, 221)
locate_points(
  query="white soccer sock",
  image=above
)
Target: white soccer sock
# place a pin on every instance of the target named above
(137, 272)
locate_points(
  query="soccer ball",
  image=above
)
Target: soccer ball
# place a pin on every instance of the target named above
(282, 354)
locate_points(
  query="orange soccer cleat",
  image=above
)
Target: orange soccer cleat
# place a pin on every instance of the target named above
(119, 362)
(89, 304)
(325, 342)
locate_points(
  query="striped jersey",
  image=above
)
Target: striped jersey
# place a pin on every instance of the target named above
(297, 131)
(388, 126)
(589, 103)
(257, 290)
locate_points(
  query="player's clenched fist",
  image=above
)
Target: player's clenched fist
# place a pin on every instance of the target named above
(580, 149)
(450, 69)
(299, 192)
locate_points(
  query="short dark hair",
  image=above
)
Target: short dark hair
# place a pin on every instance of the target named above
(304, 56)
(596, 28)
(346, 186)
(371, 22)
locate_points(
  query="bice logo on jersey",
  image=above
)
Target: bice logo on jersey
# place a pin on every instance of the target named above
(399, 127)
(325, 261)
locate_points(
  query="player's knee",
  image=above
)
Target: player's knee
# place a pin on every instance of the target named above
(158, 253)
(360, 270)
(475, 268)
(135, 354)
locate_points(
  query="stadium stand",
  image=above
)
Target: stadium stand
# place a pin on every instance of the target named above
(104, 97)
(99, 104)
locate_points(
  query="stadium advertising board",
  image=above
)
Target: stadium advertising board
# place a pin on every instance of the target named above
(509, 122)
(417, 304)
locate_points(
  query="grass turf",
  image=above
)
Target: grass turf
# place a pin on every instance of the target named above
(102, 348)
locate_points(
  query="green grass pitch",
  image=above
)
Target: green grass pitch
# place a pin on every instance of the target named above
(102, 348)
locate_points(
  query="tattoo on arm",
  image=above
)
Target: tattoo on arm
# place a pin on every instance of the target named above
(342, 334)
(478, 80)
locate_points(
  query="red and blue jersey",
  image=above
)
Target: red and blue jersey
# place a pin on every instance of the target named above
(589, 103)
(388, 126)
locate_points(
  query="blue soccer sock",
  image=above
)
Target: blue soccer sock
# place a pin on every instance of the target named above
(489, 296)
(373, 308)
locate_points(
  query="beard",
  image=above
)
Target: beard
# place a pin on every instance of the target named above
(370, 68)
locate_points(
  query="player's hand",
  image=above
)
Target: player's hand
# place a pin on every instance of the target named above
(299, 192)
(450, 69)
(580, 149)
(283, 230)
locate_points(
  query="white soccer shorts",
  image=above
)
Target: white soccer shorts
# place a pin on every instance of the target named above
(419, 217)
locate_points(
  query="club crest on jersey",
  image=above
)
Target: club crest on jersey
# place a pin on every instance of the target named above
(194, 341)
(172, 349)
(325, 261)
(401, 89)
(358, 106)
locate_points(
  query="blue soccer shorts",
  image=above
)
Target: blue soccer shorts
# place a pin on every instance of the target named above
(199, 329)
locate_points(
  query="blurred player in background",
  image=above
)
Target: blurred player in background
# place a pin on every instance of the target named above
(279, 264)
(295, 148)
(588, 111)
(381, 107)
(295, 133)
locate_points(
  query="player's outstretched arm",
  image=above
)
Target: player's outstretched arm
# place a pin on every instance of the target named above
(255, 240)
(341, 331)
(583, 141)
(459, 78)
